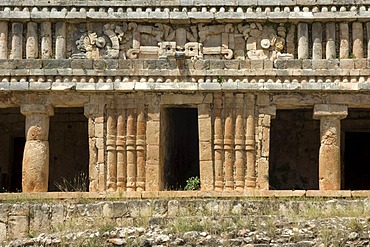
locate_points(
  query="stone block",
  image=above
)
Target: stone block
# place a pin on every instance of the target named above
(166, 64)
(40, 217)
(125, 64)
(82, 64)
(104, 86)
(209, 86)
(361, 63)
(306, 64)
(19, 86)
(268, 64)
(99, 64)
(288, 64)
(137, 65)
(328, 193)
(257, 64)
(41, 86)
(142, 86)
(3, 231)
(152, 153)
(18, 227)
(231, 64)
(202, 64)
(8, 63)
(120, 209)
(319, 64)
(216, 64)
(29, 64)
(124, 86)
(63, 86)
(245, 64)
(347, 64)
(205, 151)
(332, 63)
(4, 86)
(152, 177)
(149, 64)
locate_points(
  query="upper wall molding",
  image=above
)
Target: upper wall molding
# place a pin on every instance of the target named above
(186, 11)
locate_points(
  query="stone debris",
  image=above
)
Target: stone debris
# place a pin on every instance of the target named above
(336, 231)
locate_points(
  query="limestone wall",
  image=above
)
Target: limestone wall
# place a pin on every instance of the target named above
(22, 220)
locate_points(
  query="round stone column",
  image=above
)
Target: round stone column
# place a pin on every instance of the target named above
(35, 169)
(329, 153)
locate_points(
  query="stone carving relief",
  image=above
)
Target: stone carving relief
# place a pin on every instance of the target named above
(104, 45)
(263, 42)
(203, 41)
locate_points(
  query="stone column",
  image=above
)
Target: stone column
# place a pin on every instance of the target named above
(358, 37)
(94, 111)
(32, 43)
(330, 40)
(17, 41)
(111, 147)
(229, 141)
(46, 47)
(3, 40)
(368, 39)
(302, 40)
(205, 147)
(140, 142)
(266, 113)
(121, 145)
(218, 141)
(344, 40)
(93, 154)
(60, 40)
(316, 40)
(290, 40)
(35, 170)
(154, 171)
(250, 142)
(239, 142)
(329, 154)
(130, 144)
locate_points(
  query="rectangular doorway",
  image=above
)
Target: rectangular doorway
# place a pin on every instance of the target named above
(16, 169)
(179, 146)
(357, 161)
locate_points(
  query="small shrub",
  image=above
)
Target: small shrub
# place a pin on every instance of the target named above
(192, 183)
(78, 184)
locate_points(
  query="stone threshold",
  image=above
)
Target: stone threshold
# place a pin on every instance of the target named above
(185, 194)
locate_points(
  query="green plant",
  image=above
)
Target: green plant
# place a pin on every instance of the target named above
(192, 183)
(78, 183)
(106, 228)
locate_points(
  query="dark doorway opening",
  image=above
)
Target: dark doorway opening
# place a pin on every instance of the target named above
(69, 151)
(17, 155)
(294, 150)
(12, 132)
(180, 146)
(357, 161)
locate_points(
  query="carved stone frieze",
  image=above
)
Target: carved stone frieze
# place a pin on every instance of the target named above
(203, 41)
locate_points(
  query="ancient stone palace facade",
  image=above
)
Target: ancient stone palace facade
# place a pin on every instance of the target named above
(142, 95)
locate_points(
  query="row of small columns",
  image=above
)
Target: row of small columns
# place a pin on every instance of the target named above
(36, 153)
(32, 40)
(330, 52)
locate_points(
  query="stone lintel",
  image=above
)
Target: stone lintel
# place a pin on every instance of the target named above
(328, 110)
(269, 110)
(31, 109)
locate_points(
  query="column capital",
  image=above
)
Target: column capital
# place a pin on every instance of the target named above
(328, 110)
(31, 109)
